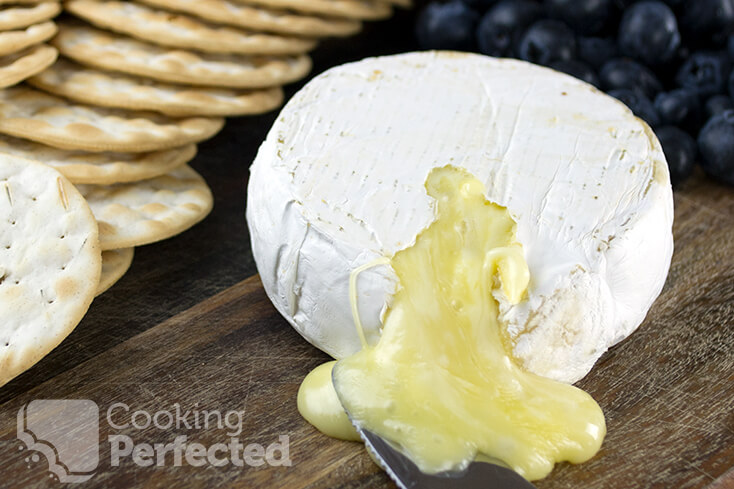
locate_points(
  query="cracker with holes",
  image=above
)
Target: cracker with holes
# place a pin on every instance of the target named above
(53, 121)
(50, 262)
(110, 89)
(115, 263)
(100, 168)
(181, 31)
(94, 47)
(14, 41)
(261, 18)
(16, 67)
(350, 9)
(151, 210)
(15, 17)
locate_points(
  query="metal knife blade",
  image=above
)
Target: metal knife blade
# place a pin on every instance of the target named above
(407, 475)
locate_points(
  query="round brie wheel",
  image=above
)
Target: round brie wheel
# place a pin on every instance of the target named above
(339, 182)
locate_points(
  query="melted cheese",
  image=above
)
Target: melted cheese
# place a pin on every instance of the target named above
(320, 406)
(440, 381)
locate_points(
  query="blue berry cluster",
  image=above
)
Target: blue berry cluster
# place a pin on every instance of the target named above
(669, 61)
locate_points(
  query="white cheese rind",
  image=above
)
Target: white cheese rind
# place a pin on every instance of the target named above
(339, 181)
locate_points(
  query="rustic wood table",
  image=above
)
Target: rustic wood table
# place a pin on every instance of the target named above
(190, 325)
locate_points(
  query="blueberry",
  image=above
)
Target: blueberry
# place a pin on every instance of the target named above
(596, 51)
(516, 13)
(649, 33)
(716, 144)
(707, 21)
(706, 73)
(678, 107)
(446, 26)
(731, 83)
(584, 16)
(717, 104)
(578, 69)
(625, 73)
(730, 47)
(503, 24)
(680, 152)
(638, 103)
(547, 41)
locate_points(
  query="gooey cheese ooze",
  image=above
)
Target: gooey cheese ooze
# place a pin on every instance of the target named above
(440, 382)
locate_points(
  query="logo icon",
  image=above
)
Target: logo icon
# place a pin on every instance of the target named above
(66, 432)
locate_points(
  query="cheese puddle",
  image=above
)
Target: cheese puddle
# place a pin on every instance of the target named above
(440, 382)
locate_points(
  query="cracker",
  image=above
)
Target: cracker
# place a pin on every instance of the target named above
(260, 18)
(115, 263)
(144, 212)
(14, 41)
(108, 51)
(100, 168)
(109, 89)
(50, 120)
(16, 17)
(350, 9)
(50, 262)
(16, 67)
(181, 31)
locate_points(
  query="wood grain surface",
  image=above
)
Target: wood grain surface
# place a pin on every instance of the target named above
(667, 391)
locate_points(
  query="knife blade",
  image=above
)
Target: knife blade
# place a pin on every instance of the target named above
(478, 475)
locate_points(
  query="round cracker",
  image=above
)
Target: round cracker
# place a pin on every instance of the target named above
(181, 31)
(109, 89)
(113, 52)
(139, 213)
(262, 19)
(50, 262)
(14, 41)
(350, 9)
(16, 67)
(100, 168)
(50, 120)
(17, 17)
(115, 263)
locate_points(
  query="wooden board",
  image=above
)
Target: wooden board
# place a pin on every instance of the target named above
(667, 391)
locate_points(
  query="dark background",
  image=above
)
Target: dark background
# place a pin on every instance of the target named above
(174, 275)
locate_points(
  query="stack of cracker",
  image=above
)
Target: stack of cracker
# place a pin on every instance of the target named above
(181, 58)
(61, 245)
(139, 83)
(94, 148)
(25, 25)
